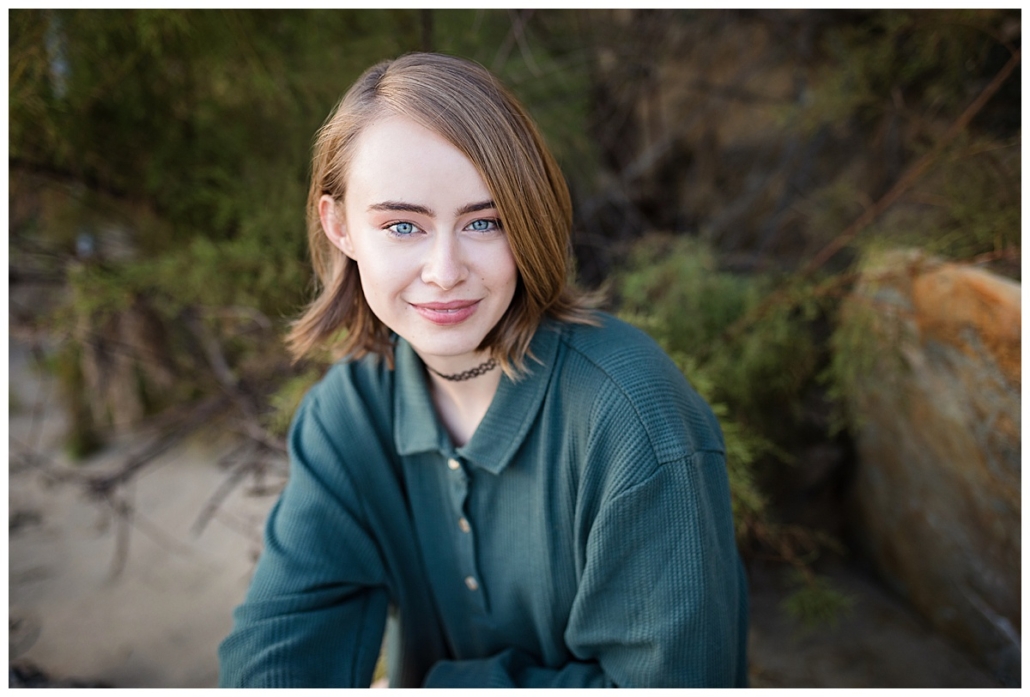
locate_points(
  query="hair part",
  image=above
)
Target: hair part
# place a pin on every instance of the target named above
(464, 103)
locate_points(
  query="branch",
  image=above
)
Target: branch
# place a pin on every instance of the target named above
(104, 484)
(914, 172)
(904, 183)
(514, 35)
(213, 352)
(230, 384)
(216, 499)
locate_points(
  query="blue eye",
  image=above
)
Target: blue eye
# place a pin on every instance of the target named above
(402, 229)
(484, 225)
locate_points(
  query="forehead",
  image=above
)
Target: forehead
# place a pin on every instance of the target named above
(395, 158)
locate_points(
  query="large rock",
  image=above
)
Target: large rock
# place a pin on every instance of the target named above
(936, 497)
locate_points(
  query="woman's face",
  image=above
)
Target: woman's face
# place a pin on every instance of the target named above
(417, 218)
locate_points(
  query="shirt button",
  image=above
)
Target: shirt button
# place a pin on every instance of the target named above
(471, 583)
(453, 464)
(464, 525)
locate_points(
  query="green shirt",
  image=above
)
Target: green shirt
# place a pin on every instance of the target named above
(581, 538)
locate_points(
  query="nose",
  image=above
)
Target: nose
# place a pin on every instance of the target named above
(445, 266)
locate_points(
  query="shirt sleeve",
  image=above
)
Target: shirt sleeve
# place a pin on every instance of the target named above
(316, 609)
(661, 602)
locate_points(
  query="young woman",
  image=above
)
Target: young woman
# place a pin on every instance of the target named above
(528, 489)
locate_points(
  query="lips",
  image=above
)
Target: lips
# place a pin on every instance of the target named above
(452, 312)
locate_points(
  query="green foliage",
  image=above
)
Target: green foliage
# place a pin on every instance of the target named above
(287, 398)
(816, 602)
(855, 346)
(671, 289)
(970, 205)
(865, 341)
(888, 86)
(82, 438)
(880, 57)
(673, 281)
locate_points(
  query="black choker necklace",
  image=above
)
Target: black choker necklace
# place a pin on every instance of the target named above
(468, 374)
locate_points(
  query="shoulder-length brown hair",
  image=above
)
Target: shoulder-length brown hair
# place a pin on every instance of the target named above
(468, 106)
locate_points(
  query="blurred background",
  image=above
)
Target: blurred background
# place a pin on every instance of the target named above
(817, 213)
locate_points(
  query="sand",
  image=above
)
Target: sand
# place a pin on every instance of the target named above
(158, 622)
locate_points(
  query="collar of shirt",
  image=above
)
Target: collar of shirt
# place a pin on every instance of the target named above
(506, 423)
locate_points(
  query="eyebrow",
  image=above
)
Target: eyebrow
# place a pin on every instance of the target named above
(422, 210)
(400, 206)
(473, 207)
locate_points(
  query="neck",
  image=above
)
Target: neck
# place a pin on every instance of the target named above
(462, 405)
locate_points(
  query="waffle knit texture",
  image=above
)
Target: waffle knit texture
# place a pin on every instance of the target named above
(581, 538)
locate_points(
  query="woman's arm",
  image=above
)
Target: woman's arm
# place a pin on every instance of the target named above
(316, 609)
(661, 602)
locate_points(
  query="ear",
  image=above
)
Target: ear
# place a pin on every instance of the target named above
(334, 225)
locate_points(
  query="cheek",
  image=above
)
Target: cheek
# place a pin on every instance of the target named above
(509, 270)
(384, 268)
(374, 277)
(378, 279)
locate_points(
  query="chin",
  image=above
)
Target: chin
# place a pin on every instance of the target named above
(446, 349)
